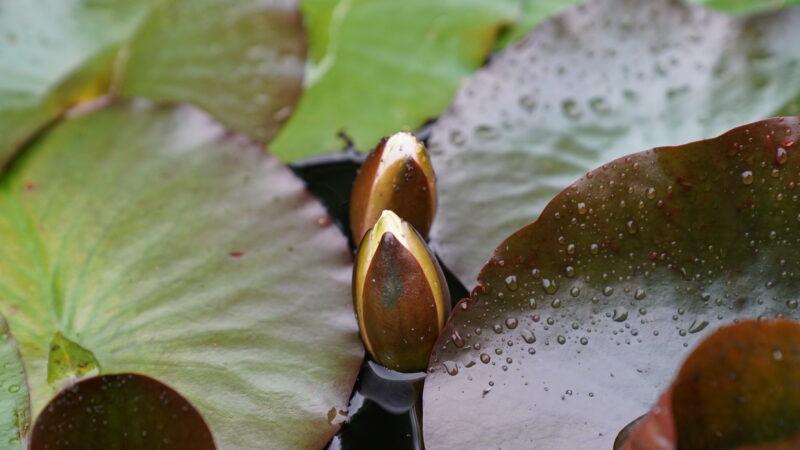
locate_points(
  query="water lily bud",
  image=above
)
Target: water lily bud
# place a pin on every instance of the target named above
(397, 176)
(400, 294)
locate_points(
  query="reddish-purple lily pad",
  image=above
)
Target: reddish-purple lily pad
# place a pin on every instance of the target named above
(738, 389)
(582, 317)
(603, 80)
(120, 411)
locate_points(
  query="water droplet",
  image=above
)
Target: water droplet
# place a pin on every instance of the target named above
(14, 388)
(747, 177)
(527, 103)
(581, 208)
(608, 290)
(556, 303)
(599, 105)
(528, 336)
(458, 341)
(569, 271)
(561, 340)
(792, 304)
(571, 109)
(457, 138)
(781, 155)
(497, 328)
(651, 193)
(549, 286)
(594, 248)
(511, 282)
(620, 315)
(511, 323)
(777, 355)
(574, 291)
(639, 294)
(486, 132)
(631, 226)
(532, 302)
(584, 341)
(571, 249)
(451, 367)
(485, 358)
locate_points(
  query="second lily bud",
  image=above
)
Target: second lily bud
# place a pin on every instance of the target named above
(397, 176)
(400, 294)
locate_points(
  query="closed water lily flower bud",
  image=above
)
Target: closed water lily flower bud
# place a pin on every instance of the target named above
(400, 294)
(397, 176)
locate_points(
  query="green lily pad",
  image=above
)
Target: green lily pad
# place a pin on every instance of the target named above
(605, 79)
(14, 401)
(411, 56)
(582, 317)
(746, 6)
(156, 242)
(246, 58)
(738, 389)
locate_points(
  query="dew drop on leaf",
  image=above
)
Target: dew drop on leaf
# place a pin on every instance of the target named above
(549, 286)
(511, 323)
(781, 155)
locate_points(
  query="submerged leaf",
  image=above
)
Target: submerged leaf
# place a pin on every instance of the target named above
(605, 79)
(167, 246)
(581, 317)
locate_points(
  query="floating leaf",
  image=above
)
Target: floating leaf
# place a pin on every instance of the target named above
(606, 79)
(581, 317)
(411, 55)
(105, 412)
(167, 246)
(737, 389)
(245, 58)
(746, 6)
(14, 401)
(240, 61)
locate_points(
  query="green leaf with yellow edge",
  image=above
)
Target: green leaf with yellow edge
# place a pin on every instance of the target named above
(580, 319)
(165, 245)
(56, 53)
(386, 66)
(14, 400)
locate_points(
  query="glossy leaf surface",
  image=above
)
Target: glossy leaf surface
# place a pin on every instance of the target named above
(14, 400)
(582, 317)
(608, 78)
(127, 411)
(244, 57)
(164, 245)
(382, 65)
(738, 389)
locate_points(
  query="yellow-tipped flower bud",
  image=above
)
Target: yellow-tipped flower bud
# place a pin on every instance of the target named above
(397, 176)
(400, 295)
